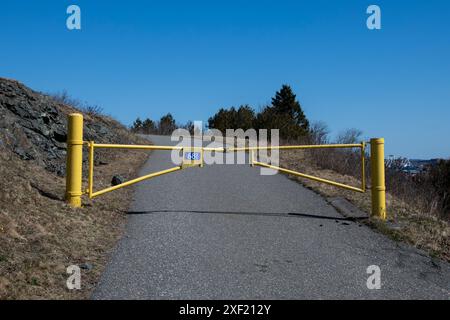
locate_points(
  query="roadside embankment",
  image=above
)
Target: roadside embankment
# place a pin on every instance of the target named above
(40, 236)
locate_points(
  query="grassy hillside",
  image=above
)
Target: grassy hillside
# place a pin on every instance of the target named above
(40, 236)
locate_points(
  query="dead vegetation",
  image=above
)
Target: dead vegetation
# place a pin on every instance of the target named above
(41, 236)
(407, 222)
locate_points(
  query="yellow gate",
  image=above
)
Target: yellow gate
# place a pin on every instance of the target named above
(194, 157)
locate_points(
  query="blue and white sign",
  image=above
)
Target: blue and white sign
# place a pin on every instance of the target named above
(192, 156)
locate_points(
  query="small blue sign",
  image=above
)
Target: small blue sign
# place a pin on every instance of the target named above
(192, 156)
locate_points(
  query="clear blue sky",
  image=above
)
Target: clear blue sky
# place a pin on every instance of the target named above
(146, 58)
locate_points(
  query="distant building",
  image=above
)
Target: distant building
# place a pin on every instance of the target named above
(410, 166)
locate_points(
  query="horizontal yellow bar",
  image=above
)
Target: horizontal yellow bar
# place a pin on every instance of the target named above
(128, 183)
(233, 149)
(323, 146)
(337, 184)
(214, 149)
(132, 146)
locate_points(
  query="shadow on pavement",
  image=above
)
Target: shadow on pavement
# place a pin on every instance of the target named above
(278, 214)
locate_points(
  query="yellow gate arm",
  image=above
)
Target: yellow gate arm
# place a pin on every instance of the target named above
(130, 182)
(307, 176)
(93, 145)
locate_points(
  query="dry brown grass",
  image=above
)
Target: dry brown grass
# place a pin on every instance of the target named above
(40, 236)
(423, 230)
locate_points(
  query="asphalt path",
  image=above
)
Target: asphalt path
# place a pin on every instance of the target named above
(228, 232)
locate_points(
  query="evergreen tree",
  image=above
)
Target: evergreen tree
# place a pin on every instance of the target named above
(284, 114)
(167, 124)
(148, 126)
(285, 103)
(245, 118)
(242, 118)
(189, 126)
(222, 120)
(137, 125)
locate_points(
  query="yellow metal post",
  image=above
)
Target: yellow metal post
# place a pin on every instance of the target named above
(363, 166)
(252, 157)
(91, 169)
(74, 160)
(378, 180)
(203, 161)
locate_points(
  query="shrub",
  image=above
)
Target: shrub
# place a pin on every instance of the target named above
(64, 97)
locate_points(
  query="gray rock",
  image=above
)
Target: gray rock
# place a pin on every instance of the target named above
(86, 266)
(117, 179)
(34, 126)
(347, 209)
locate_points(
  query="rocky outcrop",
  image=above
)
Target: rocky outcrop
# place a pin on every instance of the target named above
(34, 126)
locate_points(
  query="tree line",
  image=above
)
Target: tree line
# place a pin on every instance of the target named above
(165, 126)
(284, 113)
